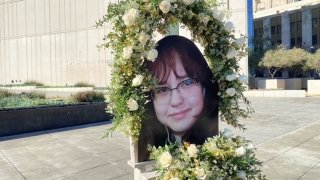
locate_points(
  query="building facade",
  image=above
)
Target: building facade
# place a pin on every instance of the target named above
(55, 41)
(291, 23)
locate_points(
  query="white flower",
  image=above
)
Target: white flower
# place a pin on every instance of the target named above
(217, 14)
(231, 53)
(204, 18)
(229, 26)
(227, 133)
(152, 55)
(172, 1)
(143, 38)
(132, 105)
(188, 2)
(165, 6)
(249, 146)
(231, 92)
(242, 175)
(231, 77)
(240, 41)
(137, 80)
(165, 159)
(200, 173)
(192, 150)
(130, 17)
(127, 52)
(240, 151)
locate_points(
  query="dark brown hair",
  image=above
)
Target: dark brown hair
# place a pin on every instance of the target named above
(196, 67)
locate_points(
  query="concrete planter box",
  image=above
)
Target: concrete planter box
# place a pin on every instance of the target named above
(253, 82)
(314, 87)
(19, 88)
(293, 84)
(23, 120)
(271, 83)
(304, 82)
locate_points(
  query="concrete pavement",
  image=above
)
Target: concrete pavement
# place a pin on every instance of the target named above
(286, 132)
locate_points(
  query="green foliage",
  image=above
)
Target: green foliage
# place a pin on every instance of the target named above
(313, 62)
(32, 83)
(131, 19)
(87, 96)
(220, 157)
(83, 84)
(30, 99)
(5, 93)
(280, 58)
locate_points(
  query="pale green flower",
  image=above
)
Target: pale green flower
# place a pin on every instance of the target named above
(218, 14)
(231, 53)
(240, 151)
(231, 92)
(129, 18)
(229, 26)
(165, 159)
(165, 6)
(143, 38)
(127, 52)
(192, 150)
(231, 77)
(200, 173)
(137, 81)
(152, 55)
(249, 146)
(132, 104)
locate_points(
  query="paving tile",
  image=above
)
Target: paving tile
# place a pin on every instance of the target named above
(8, 172)
(14, 177)
(264, 156)
(125, 177)
(104, 172)
(115, 156)
(284, 167)
(313, 174)
(47, 172)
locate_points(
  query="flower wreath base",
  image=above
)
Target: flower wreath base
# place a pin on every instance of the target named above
(133, 25)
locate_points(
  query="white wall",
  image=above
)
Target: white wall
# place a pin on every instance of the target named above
(53, 42)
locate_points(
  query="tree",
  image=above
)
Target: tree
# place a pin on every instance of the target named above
(280, 58)
(313, 62)
(273, 60)
(296, 58)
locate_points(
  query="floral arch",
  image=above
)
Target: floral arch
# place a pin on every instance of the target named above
(134, 23)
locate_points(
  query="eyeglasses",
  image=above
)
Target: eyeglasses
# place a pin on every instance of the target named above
(162, 95)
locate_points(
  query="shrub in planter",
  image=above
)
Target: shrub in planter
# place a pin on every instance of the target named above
(87, 96)
(32, 83)
(83, 84)
(5, 93)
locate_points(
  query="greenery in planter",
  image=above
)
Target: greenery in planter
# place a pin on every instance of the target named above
(11, 100)
(32, 83)
(313, 63)
(83, 84)
(280, 58)
(31, 99)
(87, 96)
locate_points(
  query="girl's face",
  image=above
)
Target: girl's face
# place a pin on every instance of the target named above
(179, 101)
